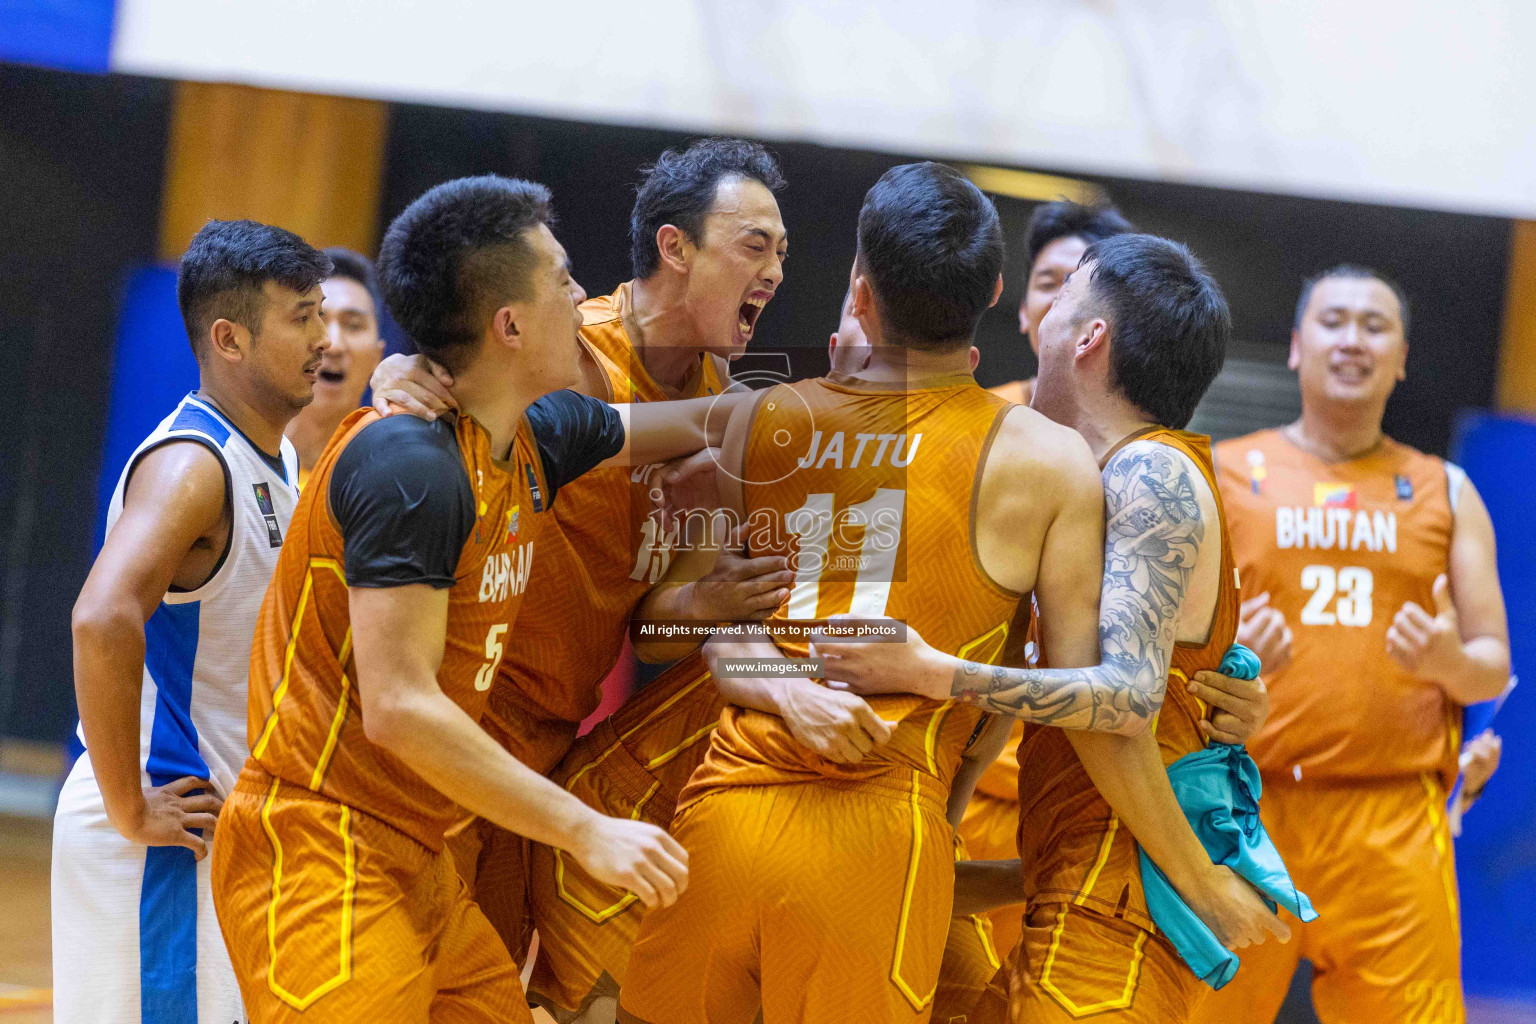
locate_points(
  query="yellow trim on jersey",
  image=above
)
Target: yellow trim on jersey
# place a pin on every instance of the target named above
(348, 891)
(1127, 994)
(931, 737)
(1105, 845)
(326, 751)
(918, 1002)
(278, 694)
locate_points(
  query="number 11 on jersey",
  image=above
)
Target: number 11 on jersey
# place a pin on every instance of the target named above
(816, 522)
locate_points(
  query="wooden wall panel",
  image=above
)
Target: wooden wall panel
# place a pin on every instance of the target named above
(1517, 352)
(312, 164)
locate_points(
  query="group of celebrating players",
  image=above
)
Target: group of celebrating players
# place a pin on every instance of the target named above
(331, 661)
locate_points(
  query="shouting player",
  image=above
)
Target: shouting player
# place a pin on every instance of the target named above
(1378, 615)
(1133, 339)
(822, 889)
(352, 321)
(381, 633)
(162, 634)
(708, 248)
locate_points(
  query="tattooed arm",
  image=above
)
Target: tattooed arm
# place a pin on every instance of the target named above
(1153, 536)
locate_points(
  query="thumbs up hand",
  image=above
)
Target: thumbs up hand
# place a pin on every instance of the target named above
(1429, 646)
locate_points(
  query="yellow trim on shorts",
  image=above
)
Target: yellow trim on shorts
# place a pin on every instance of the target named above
(984, 934)
(1440, 832)
(1105, 845)
(348, 891)
(624, 902)
(270, 726)
(917, 1002)
(661, 759)
(1127, 994)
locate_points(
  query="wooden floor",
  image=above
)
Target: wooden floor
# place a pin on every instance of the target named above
(26, 995)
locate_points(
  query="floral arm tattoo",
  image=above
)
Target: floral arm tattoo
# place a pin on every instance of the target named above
(1153, 533)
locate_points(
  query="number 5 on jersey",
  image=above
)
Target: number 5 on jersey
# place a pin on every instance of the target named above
(493, 652)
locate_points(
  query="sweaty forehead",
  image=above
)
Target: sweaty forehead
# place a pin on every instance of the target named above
(1359, 294)
(746, 203)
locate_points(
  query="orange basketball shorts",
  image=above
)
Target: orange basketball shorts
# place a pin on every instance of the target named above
(332, 915)
(1073, 963)
(1377, 860)
(990, 829)
(816, 901)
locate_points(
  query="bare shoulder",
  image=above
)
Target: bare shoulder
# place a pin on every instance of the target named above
(1034, 455)
(181, 478)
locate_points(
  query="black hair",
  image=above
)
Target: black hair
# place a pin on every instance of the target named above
(1357, 272)
(679, 188)
(932, 246)
(1168, 320)
(224, 268)
(457, 253)
(354, 266)
(1063, 218)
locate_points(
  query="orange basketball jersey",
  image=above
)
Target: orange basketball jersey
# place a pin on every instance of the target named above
(600, 556)
(305, 719)
(870, 490)
(1071, 845)
(1339, 548)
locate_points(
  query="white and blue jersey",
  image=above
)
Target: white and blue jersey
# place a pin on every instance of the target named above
(135, 938)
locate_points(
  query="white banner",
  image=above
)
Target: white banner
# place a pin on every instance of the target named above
(1413, 102)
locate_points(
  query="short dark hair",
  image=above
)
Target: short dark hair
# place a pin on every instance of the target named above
(1356, 272)
(1063, 218)
(680, 187)
(455, 254)
(354, 266)
(932, 246)
(1169, 323)
(224, 268)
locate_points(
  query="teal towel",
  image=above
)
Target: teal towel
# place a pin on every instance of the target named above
(1219, 789)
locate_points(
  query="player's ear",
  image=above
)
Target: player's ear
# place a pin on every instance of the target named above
(1293, 361)
(506, 327)
(1095, 338)
(673, 247)
(863, 296)
(997, 292)
(228, 340)
(975, 358)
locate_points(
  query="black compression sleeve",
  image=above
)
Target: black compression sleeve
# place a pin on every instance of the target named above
(403, 501)
(574, 433)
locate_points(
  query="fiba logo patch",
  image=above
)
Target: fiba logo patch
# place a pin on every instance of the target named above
(268, 514)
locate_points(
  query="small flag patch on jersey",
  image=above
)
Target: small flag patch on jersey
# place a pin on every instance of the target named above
(1256, 471)
(512, 517)
(533, 489)
(1404, 488)
(268, 514)
(1331, 495)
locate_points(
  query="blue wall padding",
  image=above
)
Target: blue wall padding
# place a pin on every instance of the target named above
(1496, 855)
(71, 35)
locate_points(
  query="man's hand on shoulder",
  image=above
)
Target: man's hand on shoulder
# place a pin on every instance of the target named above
(414, 385)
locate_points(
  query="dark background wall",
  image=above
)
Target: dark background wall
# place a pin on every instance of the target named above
(81, 166)
(81, 161)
